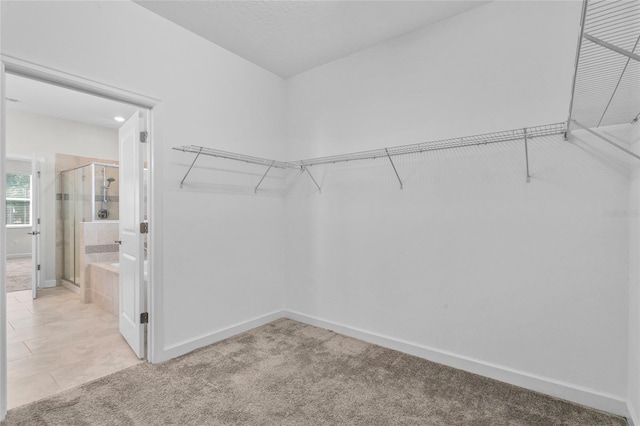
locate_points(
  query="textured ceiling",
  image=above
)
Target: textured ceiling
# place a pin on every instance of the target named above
(290, 37)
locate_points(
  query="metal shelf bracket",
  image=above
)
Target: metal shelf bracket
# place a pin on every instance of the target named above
(190, 167)
(611, 47)
(263, 176)
(526, 154)
(394, 168)
(311, 176)
(607, 140)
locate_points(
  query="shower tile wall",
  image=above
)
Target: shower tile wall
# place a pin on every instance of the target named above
(66, 162)
(113, 193)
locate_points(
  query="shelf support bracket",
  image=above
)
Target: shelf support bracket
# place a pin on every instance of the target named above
(526, 154)
(394, 168)
(263, 176)
(190, 167)
(311, 176)
(610, 142)
(611, 47)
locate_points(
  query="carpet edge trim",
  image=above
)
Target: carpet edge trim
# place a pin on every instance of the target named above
(555, 388)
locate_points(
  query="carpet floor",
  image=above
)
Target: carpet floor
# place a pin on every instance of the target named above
(288, 373)
(18, 274)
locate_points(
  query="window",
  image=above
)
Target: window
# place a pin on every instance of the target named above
(18, 199)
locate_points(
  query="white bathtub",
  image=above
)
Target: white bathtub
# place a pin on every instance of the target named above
(146, 268)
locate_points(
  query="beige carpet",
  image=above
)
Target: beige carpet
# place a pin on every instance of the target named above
(288, 373)
(18, 274)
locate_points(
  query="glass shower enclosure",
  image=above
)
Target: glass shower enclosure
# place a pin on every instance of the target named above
(89, 194)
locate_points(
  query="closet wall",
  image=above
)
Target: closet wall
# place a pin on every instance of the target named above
(222, 253)
(469, 264)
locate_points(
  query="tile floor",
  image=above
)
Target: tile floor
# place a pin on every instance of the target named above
(56, 343)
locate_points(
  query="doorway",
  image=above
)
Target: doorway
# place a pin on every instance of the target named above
(54, 291)
(22, 221)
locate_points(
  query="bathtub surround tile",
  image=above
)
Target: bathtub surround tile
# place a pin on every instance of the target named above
(112, 257)
(102, 248)
(104, 286)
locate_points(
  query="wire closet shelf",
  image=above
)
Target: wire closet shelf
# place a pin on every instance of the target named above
(466, 141)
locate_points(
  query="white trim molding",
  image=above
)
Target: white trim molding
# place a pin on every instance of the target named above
(48, 283)
(190, 345)
(632, 416)
(18, 255)
(558, 389)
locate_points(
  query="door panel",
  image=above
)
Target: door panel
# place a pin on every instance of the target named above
(132, 288)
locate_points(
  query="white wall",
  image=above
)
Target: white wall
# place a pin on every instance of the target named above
(500, 66)
(634, 282)
(468, 259)
(468, 264)
(34, 134)
(222, 254)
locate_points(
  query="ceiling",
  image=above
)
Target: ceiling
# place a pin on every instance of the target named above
(55, 101)
(290, 37)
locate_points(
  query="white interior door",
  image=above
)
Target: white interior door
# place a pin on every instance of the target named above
(35, 226)
(132, 286)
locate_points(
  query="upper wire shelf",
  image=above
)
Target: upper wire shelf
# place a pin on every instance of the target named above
(465, 141)
(234, 156)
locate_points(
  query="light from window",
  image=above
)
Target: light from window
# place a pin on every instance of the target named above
(18, 199)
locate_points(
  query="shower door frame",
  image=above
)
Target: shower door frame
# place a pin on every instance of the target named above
(16, 66)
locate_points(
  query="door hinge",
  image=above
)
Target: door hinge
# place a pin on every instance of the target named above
(38, 268)
(38, 174)
(144, 318)
(38, 221)
(144, 136)
(144, 227)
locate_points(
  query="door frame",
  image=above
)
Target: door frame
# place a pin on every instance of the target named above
(16, 66)
(36, 213)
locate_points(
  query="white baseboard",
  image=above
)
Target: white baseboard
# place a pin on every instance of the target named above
(632, 416)
(18, 255)
(48, 283)
(216, 336)
(555, 388)
(69, 286)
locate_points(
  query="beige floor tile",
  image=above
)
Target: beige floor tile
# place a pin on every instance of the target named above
(57, 338)
(85, 371)
(34, 321)
(17, 307)
(16, 314)
(11, 300)
(30, 389)
(37, 364)
(16, 351)
(24, 296)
